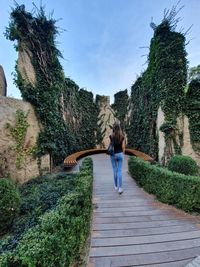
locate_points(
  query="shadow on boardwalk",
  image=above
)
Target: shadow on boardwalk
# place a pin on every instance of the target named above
(133, 229)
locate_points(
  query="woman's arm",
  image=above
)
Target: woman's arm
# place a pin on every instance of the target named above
(123, 146)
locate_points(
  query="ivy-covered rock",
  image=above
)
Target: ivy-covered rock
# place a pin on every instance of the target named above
(81, 113)
(67, 126)
(37, 35)
(192, 110)
(120, 106)
(162, 84)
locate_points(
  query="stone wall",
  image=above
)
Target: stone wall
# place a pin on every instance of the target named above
(8, 108)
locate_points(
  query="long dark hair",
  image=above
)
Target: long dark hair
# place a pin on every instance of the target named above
(117, 134)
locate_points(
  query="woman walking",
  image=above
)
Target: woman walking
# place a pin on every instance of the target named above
(117, 139)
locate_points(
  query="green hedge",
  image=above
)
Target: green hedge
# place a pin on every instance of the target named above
(61, 234)
(169, 187)
(38, 196)
(183, 164)
(10, 202)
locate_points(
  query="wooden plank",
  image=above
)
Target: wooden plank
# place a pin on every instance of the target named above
(131, 213)
(136, 219)
(146, 248)
(138, 225)
(102, 201)
(119, 241)
(115, 204)
(115, 196)
(123, 209)
(182, 263)
(150, 259)
(158, 259)
(147, 231)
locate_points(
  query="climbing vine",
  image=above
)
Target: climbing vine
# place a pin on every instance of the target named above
(120, 106)
(35, 35)
(192, 110)
(142, 123)
(18, 134)
(161, 85)
(81, 112)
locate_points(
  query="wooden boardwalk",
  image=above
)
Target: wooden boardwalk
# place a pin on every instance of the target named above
(133, 229)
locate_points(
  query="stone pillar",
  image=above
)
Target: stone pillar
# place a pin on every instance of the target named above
(106, 119)
(25, 66)
(3, 84)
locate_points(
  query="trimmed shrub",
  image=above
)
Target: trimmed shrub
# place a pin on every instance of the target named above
(61, 234)
(169, 187)
(37, 196)
(183, 164)
(9, 203)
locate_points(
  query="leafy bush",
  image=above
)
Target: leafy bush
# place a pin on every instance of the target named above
(61, 233)
(43, 192)
(9, 203)
(183, 164)
(38, 195)
(169, 187)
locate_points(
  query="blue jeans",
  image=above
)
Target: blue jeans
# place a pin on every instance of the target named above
(117, 160)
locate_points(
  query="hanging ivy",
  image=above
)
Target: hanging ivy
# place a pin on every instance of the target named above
(120, 106)
(18, 134)
(162, 84)
(81, 112)
(37, 34)
(192, 110)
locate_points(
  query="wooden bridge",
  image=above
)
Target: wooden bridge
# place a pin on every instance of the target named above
(134, 229)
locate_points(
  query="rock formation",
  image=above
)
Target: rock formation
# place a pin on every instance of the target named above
(25, 66)
(106, 119)
(3, 84)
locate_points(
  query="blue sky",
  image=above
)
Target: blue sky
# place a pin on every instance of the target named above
(103, 39)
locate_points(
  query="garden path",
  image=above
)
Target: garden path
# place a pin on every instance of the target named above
(134, 229)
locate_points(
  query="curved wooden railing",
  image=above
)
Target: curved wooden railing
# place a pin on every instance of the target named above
(71, 160)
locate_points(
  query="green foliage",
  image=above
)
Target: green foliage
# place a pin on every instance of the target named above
(162, 84)
(89, 127)
(192, 110)
(18, 134)
(183, 164)
(4, 165)
(38, 196)
(194, 73)
(9, 203)
(82, 114)
(170, 131)
(168, 127)
(37, 35)
(51, 94)
(169, 187)
(60, 235)
(120, 106)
